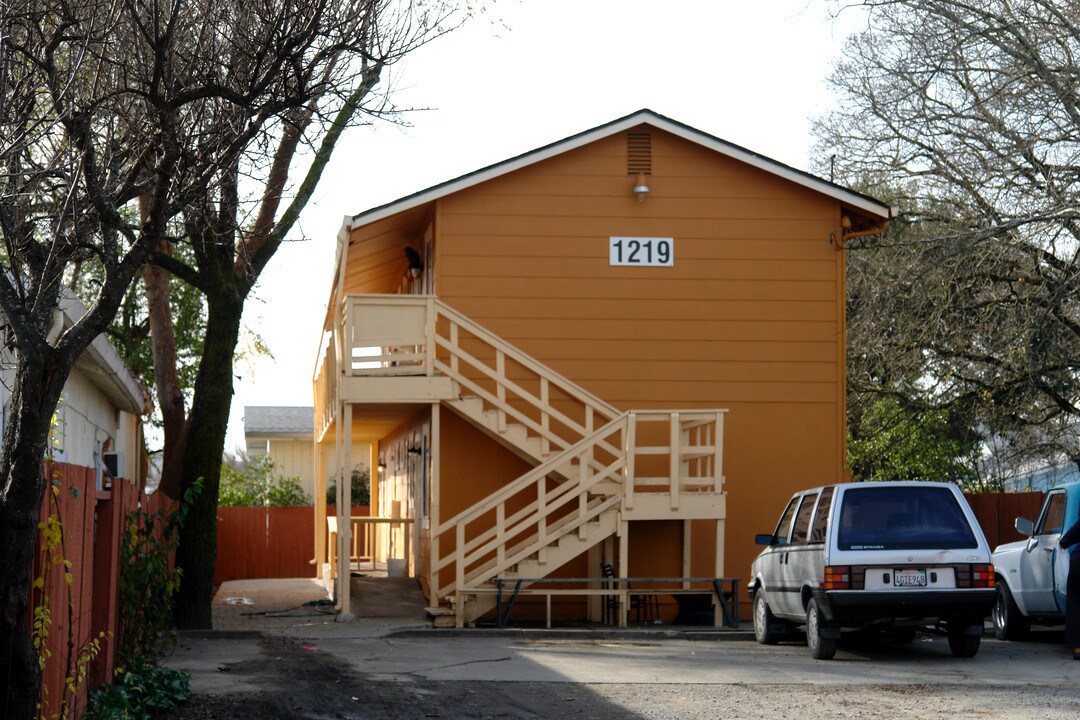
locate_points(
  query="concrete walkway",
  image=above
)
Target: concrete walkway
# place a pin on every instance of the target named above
(303, 608)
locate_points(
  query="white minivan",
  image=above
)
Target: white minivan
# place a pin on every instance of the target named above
(893, 556)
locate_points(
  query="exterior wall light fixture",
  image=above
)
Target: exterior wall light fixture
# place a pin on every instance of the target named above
(641, 188)
(416, 265)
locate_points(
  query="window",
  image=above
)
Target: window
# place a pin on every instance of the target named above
(1054, 517)
(821, 517)
(783, 528)
(903, 518)
(802, 519)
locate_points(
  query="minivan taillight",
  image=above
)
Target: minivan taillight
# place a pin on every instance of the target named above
(837, 577)
(982, 576)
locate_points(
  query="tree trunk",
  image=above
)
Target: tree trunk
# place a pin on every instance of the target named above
(24, 484)
(170, 396)
(206, 427)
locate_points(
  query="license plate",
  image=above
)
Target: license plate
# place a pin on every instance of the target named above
(909, 578)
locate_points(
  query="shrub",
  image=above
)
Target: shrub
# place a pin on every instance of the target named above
(139, 694)
(361, 487)
(252, 482)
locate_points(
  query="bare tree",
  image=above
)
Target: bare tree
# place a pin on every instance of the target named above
(233, 234)
(117, 116)
(967, 111)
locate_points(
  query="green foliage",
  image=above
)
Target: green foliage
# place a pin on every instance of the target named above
(892, 442)
(140, 694)
(148, 581)
(253, 483)
(361, 487)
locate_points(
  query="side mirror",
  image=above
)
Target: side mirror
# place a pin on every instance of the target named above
(764, 539)
(1024, 526)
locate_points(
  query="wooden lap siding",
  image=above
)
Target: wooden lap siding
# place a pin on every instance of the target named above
(749, 317)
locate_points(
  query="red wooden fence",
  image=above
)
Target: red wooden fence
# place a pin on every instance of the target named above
(273, 542)
(998, 511)
(279, 542)
(92, 525)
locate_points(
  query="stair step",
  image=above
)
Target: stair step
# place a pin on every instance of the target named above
(441, 617)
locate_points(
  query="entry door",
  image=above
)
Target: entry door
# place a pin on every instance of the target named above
(1037, 566)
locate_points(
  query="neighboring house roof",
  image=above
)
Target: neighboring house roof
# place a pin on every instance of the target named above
(648, 117)
(103, 366)
(279, 421)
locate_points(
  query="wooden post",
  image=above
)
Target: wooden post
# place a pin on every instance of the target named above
(345, 518)
(631, 439)
(718, 449)
(687, 539)
(624, 568)
(674, 464)
(433, 504)
(320, 510)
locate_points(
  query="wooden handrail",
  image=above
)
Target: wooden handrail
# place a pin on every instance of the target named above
(563, 416)
(569, 387)
(536, 513)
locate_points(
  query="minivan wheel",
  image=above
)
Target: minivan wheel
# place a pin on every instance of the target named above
(1009, 624)
(961, 643)
(821, 648)
(764, 621)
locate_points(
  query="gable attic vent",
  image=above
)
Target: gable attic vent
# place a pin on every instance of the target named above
(639, 153)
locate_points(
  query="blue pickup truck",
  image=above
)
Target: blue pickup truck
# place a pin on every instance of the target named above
(1031, 573)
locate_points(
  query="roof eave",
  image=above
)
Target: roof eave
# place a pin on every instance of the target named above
(856, 200)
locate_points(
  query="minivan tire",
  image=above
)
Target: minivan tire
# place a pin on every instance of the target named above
(764, 621)
(821, 648)
(961, 643)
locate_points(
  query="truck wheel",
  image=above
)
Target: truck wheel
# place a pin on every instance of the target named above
(961, 643)
(764, 621)
(1009, 624)
(821, 648)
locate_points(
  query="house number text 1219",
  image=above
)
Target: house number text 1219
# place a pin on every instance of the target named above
(648, 251)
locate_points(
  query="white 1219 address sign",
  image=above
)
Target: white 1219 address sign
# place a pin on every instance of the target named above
(644, 251)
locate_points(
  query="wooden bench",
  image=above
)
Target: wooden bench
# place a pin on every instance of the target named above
(725, 592)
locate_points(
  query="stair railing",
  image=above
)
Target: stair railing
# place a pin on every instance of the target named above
(674, 452)
(532, 512)
(481, 362)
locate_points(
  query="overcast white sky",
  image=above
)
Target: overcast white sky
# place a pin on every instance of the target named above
(527, 73)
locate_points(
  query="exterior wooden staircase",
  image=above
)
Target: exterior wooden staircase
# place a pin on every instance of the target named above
(595, 467)
(577, 495)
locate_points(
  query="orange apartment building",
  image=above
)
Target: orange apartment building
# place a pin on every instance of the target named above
(626, 348)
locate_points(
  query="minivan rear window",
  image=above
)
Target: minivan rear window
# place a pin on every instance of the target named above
(902, 518)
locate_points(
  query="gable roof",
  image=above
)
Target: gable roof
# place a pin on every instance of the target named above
(279, 420)
(850, 197)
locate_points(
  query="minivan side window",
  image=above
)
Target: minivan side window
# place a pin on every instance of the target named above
(821, 517)
(783, 528)
(802, 519)
(1051, 521)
